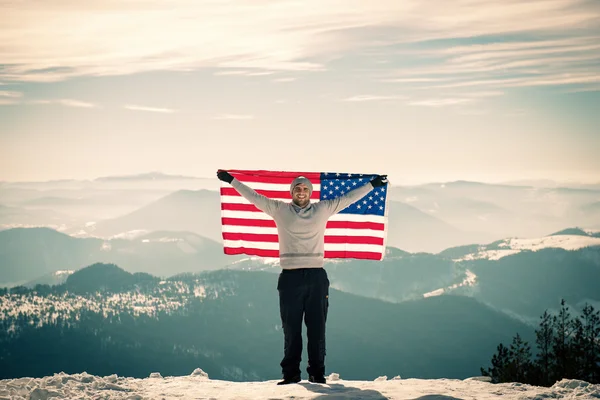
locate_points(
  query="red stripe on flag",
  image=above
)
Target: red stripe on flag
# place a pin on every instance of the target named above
(251, 251)
(239, 207)
(367, 255)
(273, 238)
(268, 176)
(377, 226)
(249, 222)
(276, 179)
(251, 237)
(354, 239)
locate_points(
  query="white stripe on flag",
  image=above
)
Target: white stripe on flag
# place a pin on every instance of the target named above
(242, 200)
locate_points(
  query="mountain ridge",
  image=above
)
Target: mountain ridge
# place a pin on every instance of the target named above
(230, 321)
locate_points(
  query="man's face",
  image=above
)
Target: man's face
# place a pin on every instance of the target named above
(301, 195)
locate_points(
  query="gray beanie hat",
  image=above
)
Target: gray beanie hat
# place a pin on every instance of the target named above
(300, 180)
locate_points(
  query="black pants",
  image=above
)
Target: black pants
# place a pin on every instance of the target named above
(303, 293)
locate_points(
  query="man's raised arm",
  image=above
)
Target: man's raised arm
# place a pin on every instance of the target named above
(339, 203)
(263, 203)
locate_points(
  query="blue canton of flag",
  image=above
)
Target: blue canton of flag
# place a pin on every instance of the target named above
(336, 184)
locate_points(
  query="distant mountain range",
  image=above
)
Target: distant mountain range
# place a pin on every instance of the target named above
(184, 210)
(133, 275)
(503, 210)
(199, 212)
(28, 254)
(51, 278)
(151, 176)
(549, 183)
(501, 274)
(428, 218)
(19, 216)
(158, 175)
(227, 322)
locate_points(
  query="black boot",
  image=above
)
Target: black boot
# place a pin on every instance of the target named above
(316, 379)
(288, 380)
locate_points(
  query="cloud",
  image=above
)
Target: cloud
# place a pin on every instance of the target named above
(519, 63)
(490, 93)
(439, 102)
(76, 103)
(243, 73)
(230, 72)
(369, 97)
(8, 101)
(593, 88)
(10, 94)
(134, 107)
(9, 97)
(472, 112)
(284, 80)
(66, 102)
(410, 80)
(126, 37)
(234, 116)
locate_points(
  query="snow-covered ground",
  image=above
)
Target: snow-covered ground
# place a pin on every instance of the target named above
(198, 386)
(516, 245)
(470, 280)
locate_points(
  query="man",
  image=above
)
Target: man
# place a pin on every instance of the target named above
(303, 284)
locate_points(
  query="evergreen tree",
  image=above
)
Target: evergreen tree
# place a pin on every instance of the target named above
(545, 358)
(586, 345)
(519, 364)
(500, 361)
(563, 326)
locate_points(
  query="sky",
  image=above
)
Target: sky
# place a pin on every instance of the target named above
(199, 385)
(421, 91)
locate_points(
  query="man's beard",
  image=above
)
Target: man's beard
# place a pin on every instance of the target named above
(304, 204)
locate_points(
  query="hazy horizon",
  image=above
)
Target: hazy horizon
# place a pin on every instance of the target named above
(406, 181)
(483, 91)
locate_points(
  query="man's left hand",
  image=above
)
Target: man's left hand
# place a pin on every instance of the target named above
(379, 180)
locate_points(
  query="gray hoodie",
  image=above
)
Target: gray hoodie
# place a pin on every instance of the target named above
(301, 230)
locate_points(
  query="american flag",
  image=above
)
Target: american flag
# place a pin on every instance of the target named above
(359, 231)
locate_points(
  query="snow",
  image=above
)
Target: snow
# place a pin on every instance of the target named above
(470, 280)
(516, 245)
(567, 242)
(130, 234)
(489, 255)
(67, 304)
(199, 291)
(437, 292)
(198, 385)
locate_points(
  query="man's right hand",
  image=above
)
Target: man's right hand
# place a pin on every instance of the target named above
(224, 176)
